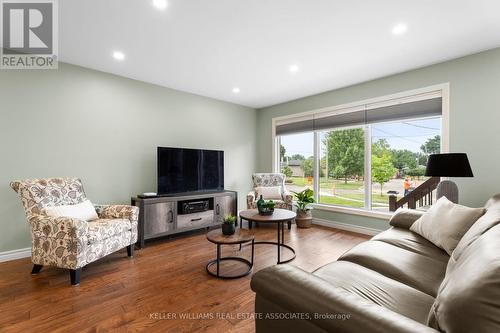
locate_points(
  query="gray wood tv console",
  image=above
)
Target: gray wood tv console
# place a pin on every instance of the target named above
(162, 215)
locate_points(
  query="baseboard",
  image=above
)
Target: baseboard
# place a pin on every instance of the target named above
(347, 227)
(15, 254)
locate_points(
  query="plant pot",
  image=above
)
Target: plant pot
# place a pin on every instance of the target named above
(266, 211)
(303, 219)
(228, 229)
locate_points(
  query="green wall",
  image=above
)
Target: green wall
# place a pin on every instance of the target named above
(105, 130)
(474, 120)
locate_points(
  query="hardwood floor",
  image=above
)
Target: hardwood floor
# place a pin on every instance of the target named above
(163, 288)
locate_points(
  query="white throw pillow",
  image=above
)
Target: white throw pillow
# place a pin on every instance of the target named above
(82, 211)
(445, 223)
(269, 192)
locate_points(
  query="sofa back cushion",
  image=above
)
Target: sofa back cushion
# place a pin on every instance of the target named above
(445, 223)
(37, 194)
(468, 299)
(485, 223)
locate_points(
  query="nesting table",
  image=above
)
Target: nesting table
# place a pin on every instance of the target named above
(280, 217)
(241, 236)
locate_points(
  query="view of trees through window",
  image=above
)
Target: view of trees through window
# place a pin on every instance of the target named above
(399, 153)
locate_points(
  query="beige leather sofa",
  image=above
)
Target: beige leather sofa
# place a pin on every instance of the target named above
(396, 282)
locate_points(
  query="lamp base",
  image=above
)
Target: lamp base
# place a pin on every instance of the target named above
(448, 189)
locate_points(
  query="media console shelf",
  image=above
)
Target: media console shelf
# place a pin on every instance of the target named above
(167, 215)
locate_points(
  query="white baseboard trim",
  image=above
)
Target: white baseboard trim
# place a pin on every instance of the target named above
(347, 227)
(15, 254)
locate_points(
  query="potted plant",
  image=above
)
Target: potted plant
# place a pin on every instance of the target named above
(228, 225)
(304, 216)
(265, 207)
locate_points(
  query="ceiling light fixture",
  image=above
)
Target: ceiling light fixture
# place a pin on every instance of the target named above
(294, 68)
(160, 4)
(118, 55)
(399, 29)
(236, 90)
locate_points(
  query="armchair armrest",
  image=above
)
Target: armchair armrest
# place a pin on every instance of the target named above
(285, 288)
(58, 227)
(288, 197)
(251, 197)
(118, 212)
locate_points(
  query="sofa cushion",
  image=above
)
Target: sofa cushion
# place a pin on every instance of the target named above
(445, 223)
(408, 240)
(469, 297)
(378, 289)
(418, 270)
(102, 229)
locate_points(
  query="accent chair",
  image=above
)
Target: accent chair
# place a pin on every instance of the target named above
(68, 242)
(270, 180)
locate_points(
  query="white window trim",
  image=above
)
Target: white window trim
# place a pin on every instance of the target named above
(440, 90)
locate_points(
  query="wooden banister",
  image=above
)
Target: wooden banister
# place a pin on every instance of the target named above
(421, 196)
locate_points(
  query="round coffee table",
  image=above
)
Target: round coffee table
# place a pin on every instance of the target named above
(280, 217)
(240, 237)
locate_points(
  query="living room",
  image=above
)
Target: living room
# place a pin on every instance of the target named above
(182, 166)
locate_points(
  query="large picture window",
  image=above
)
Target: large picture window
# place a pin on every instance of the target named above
(342, 161)
(357, 158)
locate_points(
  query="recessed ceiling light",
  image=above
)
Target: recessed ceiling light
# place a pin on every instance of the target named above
(160, 4)
(294, 68)
(118, 55)
(236, 90)
(399, 29)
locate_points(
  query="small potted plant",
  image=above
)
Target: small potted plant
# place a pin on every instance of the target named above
(265, 207)
(304, 216)
(228, 225)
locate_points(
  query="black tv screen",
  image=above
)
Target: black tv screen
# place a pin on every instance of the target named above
(189, 170)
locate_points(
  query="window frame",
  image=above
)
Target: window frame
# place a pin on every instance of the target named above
(440, 90)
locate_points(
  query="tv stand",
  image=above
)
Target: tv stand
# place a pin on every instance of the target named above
(162, 215)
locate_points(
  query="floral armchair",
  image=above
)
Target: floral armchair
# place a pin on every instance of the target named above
(266, 180)
(67, 242)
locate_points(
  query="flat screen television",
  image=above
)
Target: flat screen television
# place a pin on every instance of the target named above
(182, 170)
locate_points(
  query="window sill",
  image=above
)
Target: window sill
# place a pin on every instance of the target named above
(354, 211)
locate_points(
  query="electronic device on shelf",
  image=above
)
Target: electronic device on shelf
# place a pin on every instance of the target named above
(182, 170)
(195, 206)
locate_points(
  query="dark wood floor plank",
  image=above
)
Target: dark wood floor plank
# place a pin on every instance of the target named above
(167, 278)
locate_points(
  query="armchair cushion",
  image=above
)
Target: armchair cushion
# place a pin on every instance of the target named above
(102, 229)
(84, 211)
(269, 192)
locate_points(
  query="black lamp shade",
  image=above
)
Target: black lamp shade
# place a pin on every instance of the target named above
(448, 165)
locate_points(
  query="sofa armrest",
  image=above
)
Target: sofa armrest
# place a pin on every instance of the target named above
(58, 227)
(288, 197)
(251, 197)
(299, 292)
(118, 212)
(404, 217)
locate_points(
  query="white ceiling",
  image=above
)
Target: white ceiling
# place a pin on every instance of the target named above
(208, 47)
